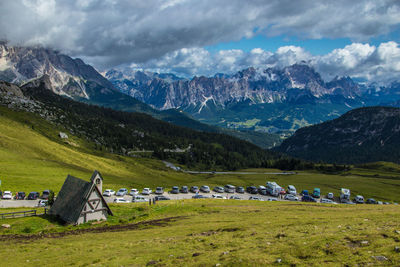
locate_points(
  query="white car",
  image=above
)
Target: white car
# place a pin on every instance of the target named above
(218, 196)
(120, 200)
(7, 195)
(42, 203)
(272, 199)
(108, 193)
(329, 196)
(291, 197)
(256, 198)
(133, 192)
(291, 190)
(146, 191)
(327, 201)
(122, 192)
(139, 199)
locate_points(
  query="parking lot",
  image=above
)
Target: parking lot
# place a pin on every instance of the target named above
(243, 196)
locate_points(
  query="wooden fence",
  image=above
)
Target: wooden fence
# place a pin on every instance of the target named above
(26, 213)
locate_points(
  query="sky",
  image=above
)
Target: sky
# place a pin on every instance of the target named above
(357, 38)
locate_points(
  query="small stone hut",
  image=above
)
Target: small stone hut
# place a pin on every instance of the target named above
(80, 201)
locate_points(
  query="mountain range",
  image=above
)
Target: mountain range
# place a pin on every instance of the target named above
(265, 100)
(74, 79)
(361, 135)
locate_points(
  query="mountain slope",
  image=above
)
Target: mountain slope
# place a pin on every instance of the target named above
(130, 133)
(361, 135)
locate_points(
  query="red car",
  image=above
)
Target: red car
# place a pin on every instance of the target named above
(283, 192)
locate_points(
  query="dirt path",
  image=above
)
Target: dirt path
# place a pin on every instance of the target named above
(101, 229)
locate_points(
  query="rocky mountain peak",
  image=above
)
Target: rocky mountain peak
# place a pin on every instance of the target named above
(67, 76)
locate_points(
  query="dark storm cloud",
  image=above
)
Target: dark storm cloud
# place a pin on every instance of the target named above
(112, 32)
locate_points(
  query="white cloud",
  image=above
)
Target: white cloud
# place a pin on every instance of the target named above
(375, 64)
(112, 32)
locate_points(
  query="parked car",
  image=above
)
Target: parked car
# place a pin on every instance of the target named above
(159, 191)
(291, 197)
(160, 198)
(304, 193)
(7, 195)
(174, 190)
(240, 189)
(252, 189)
(218, 189)
(308, 198)
(194, 189)
(235, 197)
(316, 193)
(272, 199)
(133, 192)
(359, 199)
(262, 190)
(42, 203)
(20, 195)
(330, 196)
(33, 195)
(346, 201)
(370, 201)
(138, 198)
(327, 201)
(45, 194)
(146, 191)
(198, 196)
(386, 203)
(291, 190)
(184, 189)
(122, 192)
(256, 198)
(205, 189)
(379, 203)
(229, 188)
(120, 200)
(218, 196)
(108, 193)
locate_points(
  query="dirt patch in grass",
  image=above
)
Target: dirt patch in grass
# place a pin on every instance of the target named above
(110, 228)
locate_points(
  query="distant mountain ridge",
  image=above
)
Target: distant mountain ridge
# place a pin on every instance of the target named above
(362, 135)
(264, 100)
(271, 85)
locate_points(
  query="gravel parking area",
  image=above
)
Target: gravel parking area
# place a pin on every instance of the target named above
(18, 203)
(244, 196)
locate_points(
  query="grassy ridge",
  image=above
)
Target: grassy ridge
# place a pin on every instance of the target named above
(231, 233)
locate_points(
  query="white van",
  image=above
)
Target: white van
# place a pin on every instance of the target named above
(291, 190)
(139, 199)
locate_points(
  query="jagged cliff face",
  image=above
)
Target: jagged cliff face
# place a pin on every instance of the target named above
(291, 84)
(70, 77)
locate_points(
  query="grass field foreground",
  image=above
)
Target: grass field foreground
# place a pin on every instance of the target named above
(225, 232)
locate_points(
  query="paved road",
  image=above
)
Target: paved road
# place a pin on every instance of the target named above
(172, 166)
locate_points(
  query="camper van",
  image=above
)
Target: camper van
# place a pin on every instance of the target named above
(273, 189)
(344, 195)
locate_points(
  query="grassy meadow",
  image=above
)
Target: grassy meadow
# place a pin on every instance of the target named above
(216, 232)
